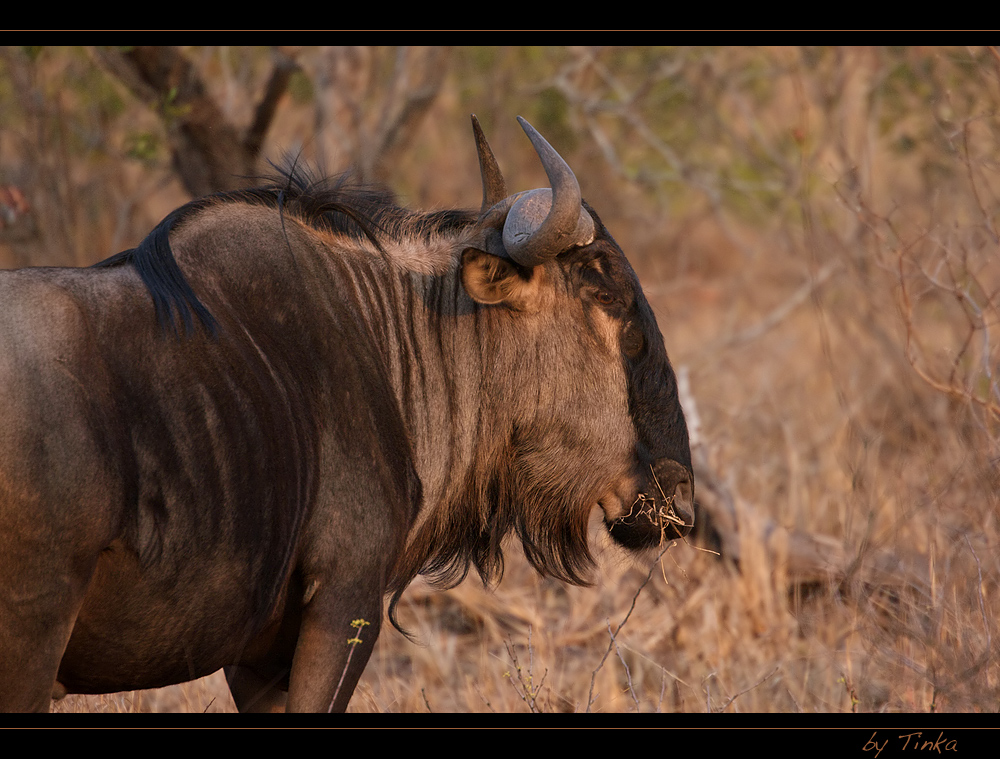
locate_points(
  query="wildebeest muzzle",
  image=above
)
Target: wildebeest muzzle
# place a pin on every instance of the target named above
(662, 511)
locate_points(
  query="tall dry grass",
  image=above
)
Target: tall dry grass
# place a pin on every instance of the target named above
(817, 230)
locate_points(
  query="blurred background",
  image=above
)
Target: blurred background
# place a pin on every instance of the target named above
(817, 231)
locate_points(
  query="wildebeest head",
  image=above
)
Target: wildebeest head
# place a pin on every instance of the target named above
(599, 422)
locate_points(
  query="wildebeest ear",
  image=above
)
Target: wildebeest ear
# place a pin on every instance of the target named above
(490, 279)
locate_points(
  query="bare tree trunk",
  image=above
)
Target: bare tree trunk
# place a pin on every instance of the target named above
(209, 152)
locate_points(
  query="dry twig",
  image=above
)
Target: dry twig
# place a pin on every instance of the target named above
(614, 635)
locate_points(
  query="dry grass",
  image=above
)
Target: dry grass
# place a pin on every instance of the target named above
(209, 695)
(841, 339)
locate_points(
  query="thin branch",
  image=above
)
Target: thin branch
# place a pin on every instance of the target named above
(952, 390)
(529, 691)
(987, 221)
(649, 575)
(747, 690)
(628, 672)
(982, 603)
(780, 312)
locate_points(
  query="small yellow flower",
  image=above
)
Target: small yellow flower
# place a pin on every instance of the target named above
(358, 623)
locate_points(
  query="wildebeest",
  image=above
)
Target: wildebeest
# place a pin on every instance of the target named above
(220, 448)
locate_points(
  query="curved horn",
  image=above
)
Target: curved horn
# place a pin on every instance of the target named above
(494, 186)
(543, 223)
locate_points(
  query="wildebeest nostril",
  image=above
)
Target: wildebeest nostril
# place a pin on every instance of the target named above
(681, 519)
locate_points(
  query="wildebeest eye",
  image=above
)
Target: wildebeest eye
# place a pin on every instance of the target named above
(604, 297)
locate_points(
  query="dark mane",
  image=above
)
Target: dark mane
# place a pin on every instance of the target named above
(339, 205)
(332, 204)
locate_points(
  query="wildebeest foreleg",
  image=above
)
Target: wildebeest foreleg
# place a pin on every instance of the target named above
(331, 653)
(38, 608)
